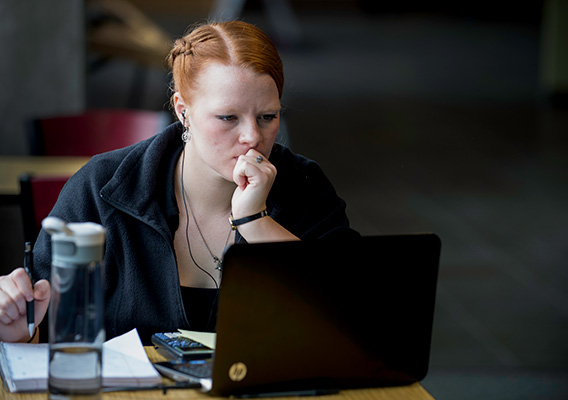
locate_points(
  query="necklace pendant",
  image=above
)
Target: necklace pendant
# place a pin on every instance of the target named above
(219, 263)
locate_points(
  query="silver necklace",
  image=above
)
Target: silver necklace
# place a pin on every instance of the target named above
(218, 261)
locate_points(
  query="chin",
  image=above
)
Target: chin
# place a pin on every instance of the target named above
(227, 173)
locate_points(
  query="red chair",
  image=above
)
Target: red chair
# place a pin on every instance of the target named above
(38, 195)
(94, 132)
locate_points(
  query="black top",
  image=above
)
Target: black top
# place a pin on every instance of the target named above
(201, 307)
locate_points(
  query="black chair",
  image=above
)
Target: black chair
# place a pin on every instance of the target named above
(38, 195)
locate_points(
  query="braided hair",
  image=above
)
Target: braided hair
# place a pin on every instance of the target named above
(230, 43)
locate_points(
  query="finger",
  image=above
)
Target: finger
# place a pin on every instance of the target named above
(42, 290)
(255, 153)
(9, 311)
(240, 175)
(248, 178)
(42, 295)
(247, 174)
(256, 158)
(21, 279)
(260, 161)
(253, 165)
(17, 286)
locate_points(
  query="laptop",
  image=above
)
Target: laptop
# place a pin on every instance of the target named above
(316, 317)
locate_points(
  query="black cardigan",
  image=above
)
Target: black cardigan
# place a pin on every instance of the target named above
(125, 191)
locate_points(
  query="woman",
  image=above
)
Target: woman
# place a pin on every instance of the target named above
(173, 203)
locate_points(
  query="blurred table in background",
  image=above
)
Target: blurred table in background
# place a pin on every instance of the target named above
(11, 167)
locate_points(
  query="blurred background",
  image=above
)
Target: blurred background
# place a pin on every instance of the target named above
(446, 117)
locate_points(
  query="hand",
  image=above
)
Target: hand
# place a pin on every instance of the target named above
(254, 180)
(15, 290)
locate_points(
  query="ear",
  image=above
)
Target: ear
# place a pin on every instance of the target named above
(180, 106)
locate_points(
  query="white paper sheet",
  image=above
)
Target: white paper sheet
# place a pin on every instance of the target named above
(207, 338)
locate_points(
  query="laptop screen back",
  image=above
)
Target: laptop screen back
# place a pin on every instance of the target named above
(325, 314)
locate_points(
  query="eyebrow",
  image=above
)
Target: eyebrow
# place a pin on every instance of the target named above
(231, 110)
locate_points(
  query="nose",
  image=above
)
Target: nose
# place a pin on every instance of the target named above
(250, 134)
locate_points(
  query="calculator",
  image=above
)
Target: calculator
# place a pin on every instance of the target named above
(174, 346)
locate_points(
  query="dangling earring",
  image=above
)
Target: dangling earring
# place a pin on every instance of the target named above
(186, 135)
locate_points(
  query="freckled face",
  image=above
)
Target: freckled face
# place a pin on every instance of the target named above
(233, 110)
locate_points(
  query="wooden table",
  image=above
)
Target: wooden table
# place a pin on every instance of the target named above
(11, 167)
(410, 392)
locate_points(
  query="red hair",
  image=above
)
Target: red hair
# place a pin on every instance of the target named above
(230, 43)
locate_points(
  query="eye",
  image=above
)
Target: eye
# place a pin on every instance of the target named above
(227, 118)
(268, 117)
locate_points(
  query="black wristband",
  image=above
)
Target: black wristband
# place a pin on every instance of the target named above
(236, 222)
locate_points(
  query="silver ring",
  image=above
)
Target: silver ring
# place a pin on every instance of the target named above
(259, 159)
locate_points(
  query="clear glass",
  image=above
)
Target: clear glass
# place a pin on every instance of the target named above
(76, 331)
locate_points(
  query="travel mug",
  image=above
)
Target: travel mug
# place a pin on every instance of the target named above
(76, 309)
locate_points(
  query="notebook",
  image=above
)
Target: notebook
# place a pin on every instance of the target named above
(24, 366)
(320, 316)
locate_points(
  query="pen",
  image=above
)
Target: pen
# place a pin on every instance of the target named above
(164, 387)
(28, 264)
